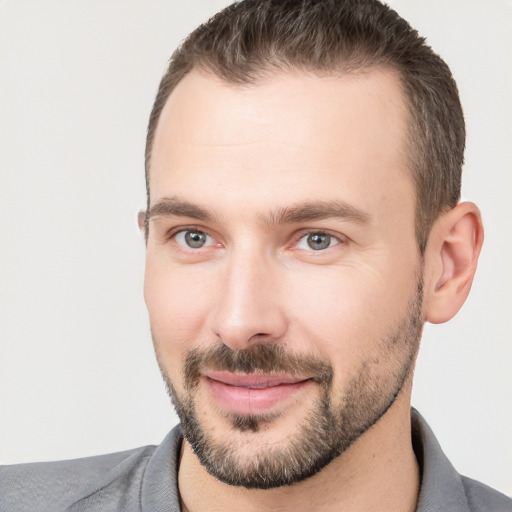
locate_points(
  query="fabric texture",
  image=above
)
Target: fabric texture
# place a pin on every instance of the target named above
(145, 480)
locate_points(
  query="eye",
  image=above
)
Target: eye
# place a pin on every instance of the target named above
(193, 239)
(317, 241)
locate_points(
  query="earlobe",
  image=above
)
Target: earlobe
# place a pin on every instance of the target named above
(451, 259)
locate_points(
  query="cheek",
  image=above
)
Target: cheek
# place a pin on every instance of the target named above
(345, 315)
(330, 306)
(177, 301)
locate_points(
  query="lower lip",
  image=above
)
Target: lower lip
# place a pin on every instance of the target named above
(241, 400)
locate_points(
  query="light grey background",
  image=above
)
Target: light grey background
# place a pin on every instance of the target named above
(77, 372)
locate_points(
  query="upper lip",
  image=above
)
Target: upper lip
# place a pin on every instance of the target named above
(253, 380)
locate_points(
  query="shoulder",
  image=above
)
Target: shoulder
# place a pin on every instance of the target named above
(482, 498)
(142, 480)
(58, 485)
(443, 489)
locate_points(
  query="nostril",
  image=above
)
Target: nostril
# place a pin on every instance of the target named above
(260, 337)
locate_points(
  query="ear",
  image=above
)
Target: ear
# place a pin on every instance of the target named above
(141, 220)
(451, 257)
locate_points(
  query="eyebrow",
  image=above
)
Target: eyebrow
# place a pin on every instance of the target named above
(173, 206)
(302, 212)
(317, 210)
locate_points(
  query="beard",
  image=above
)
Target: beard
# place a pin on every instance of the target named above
(333, 422)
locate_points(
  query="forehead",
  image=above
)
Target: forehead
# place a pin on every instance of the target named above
(330, 137)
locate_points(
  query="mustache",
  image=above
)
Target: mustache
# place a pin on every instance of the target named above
(267, 358)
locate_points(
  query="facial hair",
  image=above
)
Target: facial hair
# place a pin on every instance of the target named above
(336, 419)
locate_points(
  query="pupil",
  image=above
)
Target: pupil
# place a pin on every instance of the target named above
(195, 239)
(318, 241)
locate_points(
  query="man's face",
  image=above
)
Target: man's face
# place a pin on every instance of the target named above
(283, 280)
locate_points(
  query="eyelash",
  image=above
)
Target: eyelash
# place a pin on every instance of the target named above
(306, 233)
(172, 235)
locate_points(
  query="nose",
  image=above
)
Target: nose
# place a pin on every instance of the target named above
(249, 308)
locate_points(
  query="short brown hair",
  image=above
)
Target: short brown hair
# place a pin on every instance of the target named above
(253, 38)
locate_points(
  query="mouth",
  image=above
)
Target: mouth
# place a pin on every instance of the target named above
(253, 393)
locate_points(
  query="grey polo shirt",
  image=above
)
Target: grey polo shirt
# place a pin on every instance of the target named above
(145, 480)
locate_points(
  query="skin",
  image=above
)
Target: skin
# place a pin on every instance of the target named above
(245, 154)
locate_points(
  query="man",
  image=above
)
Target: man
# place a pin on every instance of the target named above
(303, 177)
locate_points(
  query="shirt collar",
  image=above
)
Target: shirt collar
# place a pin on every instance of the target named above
(441, 486)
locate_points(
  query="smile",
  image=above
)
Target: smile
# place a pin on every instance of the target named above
(253, 393)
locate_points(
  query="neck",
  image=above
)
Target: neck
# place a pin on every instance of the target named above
(379, 472)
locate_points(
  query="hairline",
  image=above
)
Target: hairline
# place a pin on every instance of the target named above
(409, 150)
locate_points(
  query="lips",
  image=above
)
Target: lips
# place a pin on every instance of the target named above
(253, 393)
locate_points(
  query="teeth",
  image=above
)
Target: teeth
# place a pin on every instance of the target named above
(267, 385)
(261, 386)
